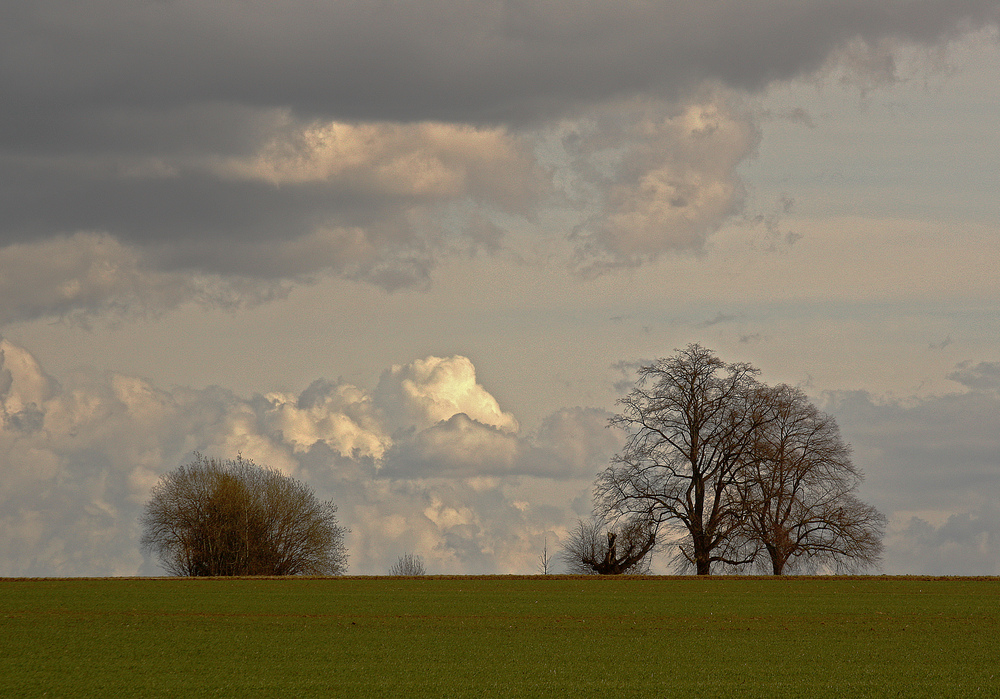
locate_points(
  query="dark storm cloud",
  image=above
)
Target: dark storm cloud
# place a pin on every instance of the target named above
(187, 206)
(443, 59)
(272, 140)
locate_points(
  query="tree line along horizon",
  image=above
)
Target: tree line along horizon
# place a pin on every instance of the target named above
(718, 470)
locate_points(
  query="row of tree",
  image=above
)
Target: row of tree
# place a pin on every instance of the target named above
(717, 468)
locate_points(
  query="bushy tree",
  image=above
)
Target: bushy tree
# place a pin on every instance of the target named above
(408, 565)
(232, 517)
(593, 548)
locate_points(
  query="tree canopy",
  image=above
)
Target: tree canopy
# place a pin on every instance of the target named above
(232, 517)
(741, 474)
(799, 511)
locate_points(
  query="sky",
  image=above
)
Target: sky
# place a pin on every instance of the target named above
(412, 253)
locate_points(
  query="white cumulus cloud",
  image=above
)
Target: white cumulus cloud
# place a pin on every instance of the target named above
(427, 462)
(426, 391)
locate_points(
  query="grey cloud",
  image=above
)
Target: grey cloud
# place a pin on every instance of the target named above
(86, 274)
(377, 203)
(798, 115)
(577, 441)
(937, 453)
(456, 447)
(967, 543)
(984, 376)
(718, 319)
(940, 345)
(933, 455)
(571, 443)
(233, 150)
(446, 59)
(285, 183)
(628, 369)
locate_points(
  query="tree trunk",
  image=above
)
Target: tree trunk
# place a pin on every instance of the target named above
(702, 554)
(777, 559)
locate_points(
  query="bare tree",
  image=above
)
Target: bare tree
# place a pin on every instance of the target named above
(408, 565)
(545, 559)
(595, 549)
(690, 420)
(797, 494)
(233, 517)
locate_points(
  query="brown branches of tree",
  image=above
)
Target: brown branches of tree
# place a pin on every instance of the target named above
(690, 419)
(594, 549)
(744, 474)
(213, 517)
(797, 494)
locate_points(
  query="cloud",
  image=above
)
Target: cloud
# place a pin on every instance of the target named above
(795, 115)
(931, 465)
(452, 60)
(718, 319)
(411, 470)
(175, 153)
(663, 176)
(427, 391)
(102, 230)
(577, 441)
(84, 275)
(964, 544)
(339, 415)
(458, 446)
(571, 443)
(984, 376)
(411, 465)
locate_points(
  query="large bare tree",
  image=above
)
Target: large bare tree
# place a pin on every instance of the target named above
(594, 548)
(233, 517)
(690, 420)
(797, 491)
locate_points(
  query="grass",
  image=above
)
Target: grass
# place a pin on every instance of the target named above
(506, 636)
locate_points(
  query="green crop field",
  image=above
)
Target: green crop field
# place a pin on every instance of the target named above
(504, 636)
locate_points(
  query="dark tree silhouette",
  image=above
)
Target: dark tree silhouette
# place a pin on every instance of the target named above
(594, 549)
(233, 517)
(797, 494)
(690, 420)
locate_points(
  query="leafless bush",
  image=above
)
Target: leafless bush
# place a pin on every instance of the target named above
(595, 549)
(408, 565)
(213, 517)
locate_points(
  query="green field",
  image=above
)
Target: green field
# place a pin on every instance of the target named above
(505, 636)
